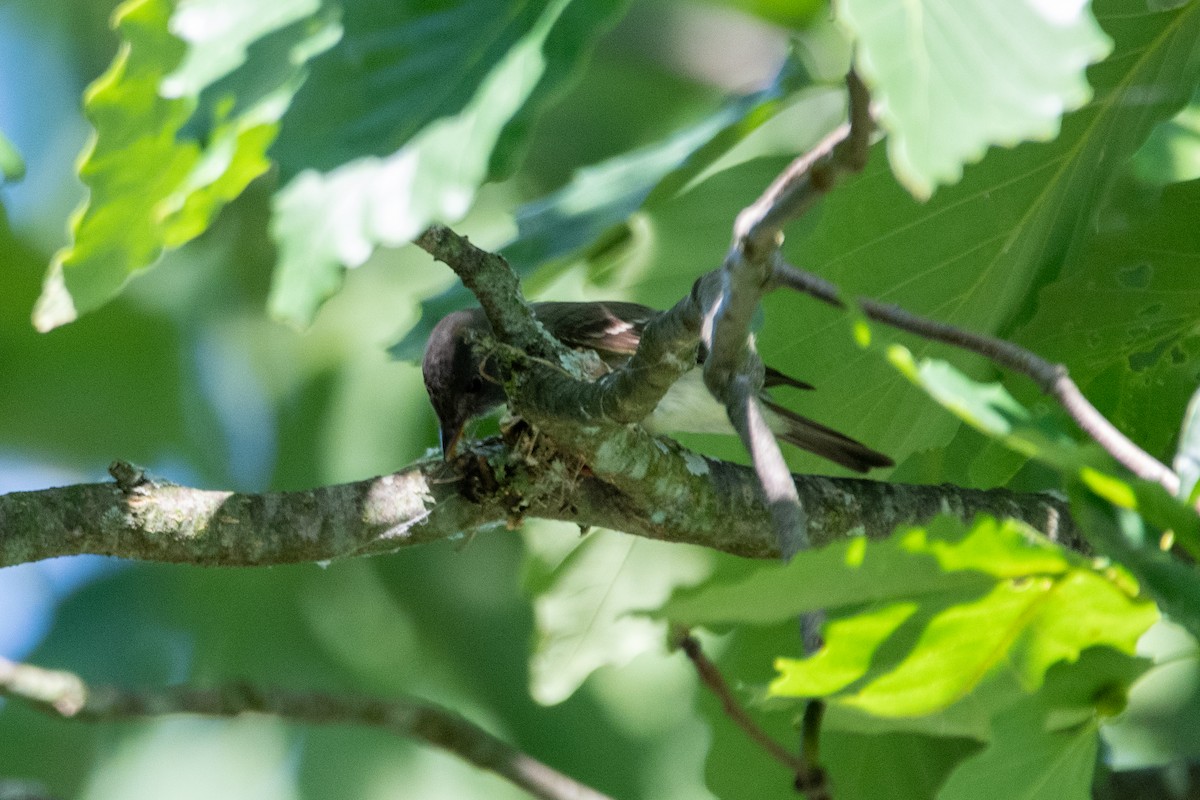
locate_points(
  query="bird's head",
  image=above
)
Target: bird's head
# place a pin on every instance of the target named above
(458, 387)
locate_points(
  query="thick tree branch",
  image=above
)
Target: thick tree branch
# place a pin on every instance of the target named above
(66, 695)
(667, 492)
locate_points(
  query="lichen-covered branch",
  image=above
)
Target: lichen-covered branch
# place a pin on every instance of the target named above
(666, 492)
(144, 518)
(496, 287)
(66, 695)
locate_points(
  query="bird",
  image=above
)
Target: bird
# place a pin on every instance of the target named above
(461, 389)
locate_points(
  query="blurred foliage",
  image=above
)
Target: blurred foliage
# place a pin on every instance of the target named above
(12, 166)
(273, 158)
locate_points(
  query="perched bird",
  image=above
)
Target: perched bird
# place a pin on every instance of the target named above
(460, 387)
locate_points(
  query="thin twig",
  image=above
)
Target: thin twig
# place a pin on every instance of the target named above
(1053, 379)
(712, 678)
(844, 150)
(817, 787)
(66, 695)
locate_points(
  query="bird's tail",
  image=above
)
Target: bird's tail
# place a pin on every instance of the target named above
(825, 442)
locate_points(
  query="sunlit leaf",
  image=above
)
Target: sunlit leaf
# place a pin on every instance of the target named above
(447, 145)
(919, 620)
(952, 77)
(157, 174)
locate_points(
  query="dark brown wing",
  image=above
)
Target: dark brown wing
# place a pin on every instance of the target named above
(613, 329)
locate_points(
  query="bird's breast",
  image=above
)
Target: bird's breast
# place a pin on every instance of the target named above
(689, 407)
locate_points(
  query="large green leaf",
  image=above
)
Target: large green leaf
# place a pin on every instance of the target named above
(952, 77)
(157, 173)
(919, 621)
(1126, 306)
(448, 144)
(402, 66)
(968, 257)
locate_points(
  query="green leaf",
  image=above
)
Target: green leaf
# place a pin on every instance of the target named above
(786, 13)
(898, 766)
(918, 621)
(158, 174)
(989, 408)
(953, 77)
(863, 765)
(736, 766)
(1126, 306)
(582, 601)
(12, 166)
(403, 66)
(604, 195)
(1028, 762)
(448, 146)
(942, 557)
(1045, 745)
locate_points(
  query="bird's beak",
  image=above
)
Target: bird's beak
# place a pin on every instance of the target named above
(450, 437)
